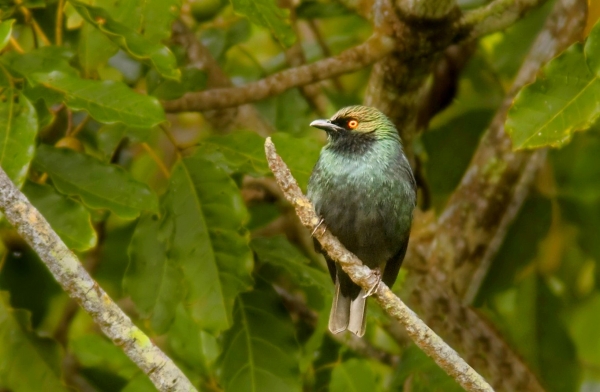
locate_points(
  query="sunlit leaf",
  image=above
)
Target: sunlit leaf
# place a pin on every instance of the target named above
(5, 32)
(18, 129)
(421, 373)
(69, 219)
(27, 361)
(99, 185)
(563, 100)
(94, 49)
(260, 351)
(139, 47)
(266, 13)
(206, 211)
(93, 350)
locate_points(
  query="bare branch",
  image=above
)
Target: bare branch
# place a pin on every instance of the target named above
(422, 335)
(488, 190)
(350, 60)
(70, 274)
(495, 16)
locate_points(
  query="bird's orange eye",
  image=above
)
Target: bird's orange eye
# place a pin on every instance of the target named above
(352, 124)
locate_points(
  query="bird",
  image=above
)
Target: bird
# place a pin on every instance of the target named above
(364, 191)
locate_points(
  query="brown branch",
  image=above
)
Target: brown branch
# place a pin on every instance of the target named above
(488, 190)
(350, 60)
(495, 16)
(421, 334)
(244, 116)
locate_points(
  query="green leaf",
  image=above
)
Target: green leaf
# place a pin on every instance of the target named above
(563, 100)
(354, 375)
(239, 152)
(139, 47)
(192, 79)
(139, 383)
(279, 252)
(70, 220)
(5, 32)
(207, 213)
(300, 154)
(93, 49)
(153, 280)
(423, 374)
(195, 347)
(586, 336)
(95, 351)
(260, 350)
(18, 129)
(106, 101)
(99, 185)
(266, 13)
(244, 152)
(27, 361)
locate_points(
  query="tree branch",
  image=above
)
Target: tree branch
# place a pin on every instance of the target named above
(376, 47)
(70, 274)
(422, 335)
(495, 16)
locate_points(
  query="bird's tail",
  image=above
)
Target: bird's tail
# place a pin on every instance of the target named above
(348, 313)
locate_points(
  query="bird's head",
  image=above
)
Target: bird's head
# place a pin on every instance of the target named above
(357, 122)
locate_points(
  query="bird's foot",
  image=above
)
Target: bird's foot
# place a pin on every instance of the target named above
(317, 226)
(375, 286)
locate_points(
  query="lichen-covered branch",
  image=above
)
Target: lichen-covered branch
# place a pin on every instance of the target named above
(350, 60)
(488, 190)
(422, 335)
(495, 16)
(75, 280)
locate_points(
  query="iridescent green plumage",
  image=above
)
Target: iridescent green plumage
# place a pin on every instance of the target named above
(363, 188)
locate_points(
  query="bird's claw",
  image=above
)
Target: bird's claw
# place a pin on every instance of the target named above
(317, 226)
(375, 286)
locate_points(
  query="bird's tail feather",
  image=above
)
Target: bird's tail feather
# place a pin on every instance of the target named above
(347, 313)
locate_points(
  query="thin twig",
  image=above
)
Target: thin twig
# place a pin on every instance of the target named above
(59, 22)
(157, 160)
(350, 60)
(75, 280)
(422, 335)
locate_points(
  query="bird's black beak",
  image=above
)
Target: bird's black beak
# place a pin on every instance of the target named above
(326, 125)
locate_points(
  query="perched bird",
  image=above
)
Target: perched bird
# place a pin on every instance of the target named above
(364, 190)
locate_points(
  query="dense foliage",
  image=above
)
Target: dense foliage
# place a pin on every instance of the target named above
(177, 218)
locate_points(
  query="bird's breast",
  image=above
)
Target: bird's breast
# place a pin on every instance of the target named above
(366, 204)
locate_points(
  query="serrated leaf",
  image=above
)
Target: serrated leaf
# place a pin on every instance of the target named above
(5, 32)
(18, 129)
(563, 100)
(152, 279)
(266, 13)
(279, 252)
(98, 185)
(70, 220)
(206, 211)
(27, 361)
(354, 375)
(260, 352)
(139, 47)
(106, 101)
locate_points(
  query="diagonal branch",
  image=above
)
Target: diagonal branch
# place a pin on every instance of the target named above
(495, 16)
(422, 335)
(375, 48)
(75, 280)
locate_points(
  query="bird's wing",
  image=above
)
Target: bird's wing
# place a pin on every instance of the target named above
(392, 267)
